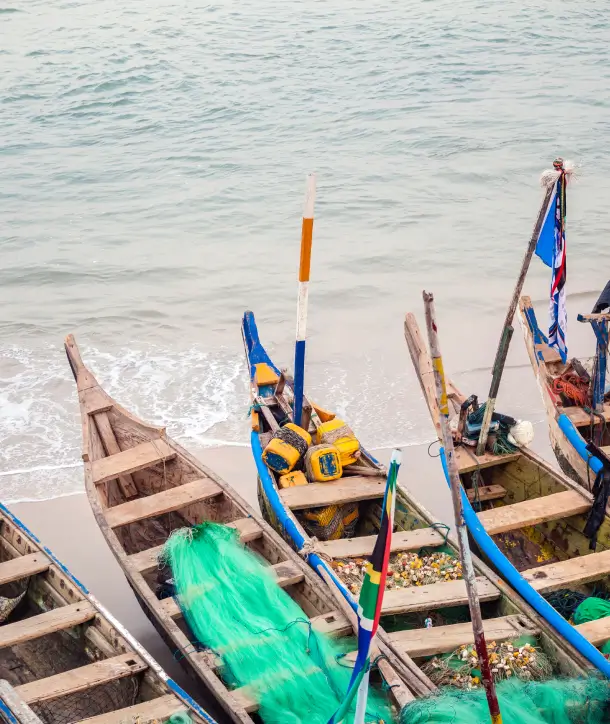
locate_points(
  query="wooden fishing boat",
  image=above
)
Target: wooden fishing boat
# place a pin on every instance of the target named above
(296, 512)
(142, 486)
(63, 657)
(572, 426)
(530, 520)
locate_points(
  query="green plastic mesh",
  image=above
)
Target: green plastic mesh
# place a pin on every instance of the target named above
(571, 701)
(233, 606)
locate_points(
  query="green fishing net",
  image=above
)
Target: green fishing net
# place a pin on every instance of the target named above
(560, 701)
(233, 606)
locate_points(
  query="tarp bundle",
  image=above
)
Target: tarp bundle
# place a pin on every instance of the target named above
(233, 606)
(575, 701)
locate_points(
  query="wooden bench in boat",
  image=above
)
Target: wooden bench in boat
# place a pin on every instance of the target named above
(530, 512)
(148, 559)
(580, 418)
(287, 574)
(597, 632)
(81, 679)
(435, 595)
(57, 619)
(332, 624)
(144, 455)
(402, 540)
(148, 712)
(345, 490)
(467, 460)
(485, 493)
(580, 570)
(164, 502)
(443, 639)
(23, 567)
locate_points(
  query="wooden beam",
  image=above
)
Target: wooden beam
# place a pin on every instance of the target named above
(332, 624)
(530, 512)
(111, 445)
(164, 502)
(344, 490)
(148, 559)
(244, 699)
(402, 540)
(443, 639)
(153, 711)
(571, 572)
(58, 619)
(144, 455)
(23, 567)
(81, 679)
(435, 595)
(597, 632)
(287, 574)
(467, 460)
(486, 492)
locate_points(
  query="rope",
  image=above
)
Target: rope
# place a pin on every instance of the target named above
(573, 387)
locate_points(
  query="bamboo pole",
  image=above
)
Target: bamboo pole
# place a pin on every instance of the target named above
(304, 267)
(507, 329)
(460, 525)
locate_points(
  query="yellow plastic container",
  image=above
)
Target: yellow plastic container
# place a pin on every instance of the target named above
(323, 463)
(292, 480)
(332, 522)
(336, 432)
(287, 446)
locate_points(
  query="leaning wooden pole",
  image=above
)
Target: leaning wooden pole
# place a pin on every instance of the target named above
(507, 329)
(304, 267)
(460, 525)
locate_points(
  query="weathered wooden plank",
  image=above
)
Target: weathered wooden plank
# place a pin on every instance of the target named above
(136, 458)
(148, 559)
(443, 639)
(574, 571)
(287, 574)
(597, 632)
(530, 512)
(344, 490)
(435, 595)
(111, 445)
(57, 619)
(164, 502)
(154, 711)
(486, 492)
(402, 540)
(244, 699)
(332, 624)
(467, 460)
(23, 567)
(85, 677)
(580, 418)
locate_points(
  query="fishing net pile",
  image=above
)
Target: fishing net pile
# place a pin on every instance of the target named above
(572, 701)
(404, 570)
(234, 607)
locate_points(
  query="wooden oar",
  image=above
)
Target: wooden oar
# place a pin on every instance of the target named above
(460, 524)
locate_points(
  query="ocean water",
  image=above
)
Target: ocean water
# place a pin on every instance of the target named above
(152, 169)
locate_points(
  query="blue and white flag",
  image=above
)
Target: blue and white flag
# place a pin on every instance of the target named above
(551, 248)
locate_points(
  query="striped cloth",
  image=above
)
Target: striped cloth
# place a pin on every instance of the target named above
(370, 601)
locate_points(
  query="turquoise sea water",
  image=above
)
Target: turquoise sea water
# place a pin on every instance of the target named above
(152, 166)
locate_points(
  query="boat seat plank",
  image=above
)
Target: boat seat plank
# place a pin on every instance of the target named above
(111, 445)
(574, 571)
(344, 490)
(154, 711)
(136, 458)
(467, 461)
(402, 540)
(435, 595)
(58, 619)
(334, 623)
(23, 567)
(580, 418)
(597, 632)
(443, 639)
(244, 699)
(530, 512)
(82, 678)
(148, 559)
(287, 574)
(164, 502)
(486, 492)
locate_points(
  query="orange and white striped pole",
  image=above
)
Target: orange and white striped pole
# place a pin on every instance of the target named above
(304, 267)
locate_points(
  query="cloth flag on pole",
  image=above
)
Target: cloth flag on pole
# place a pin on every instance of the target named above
(551, 248)
(370, 600)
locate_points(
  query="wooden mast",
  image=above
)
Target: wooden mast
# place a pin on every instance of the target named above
(507, 329)
(460, 524)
